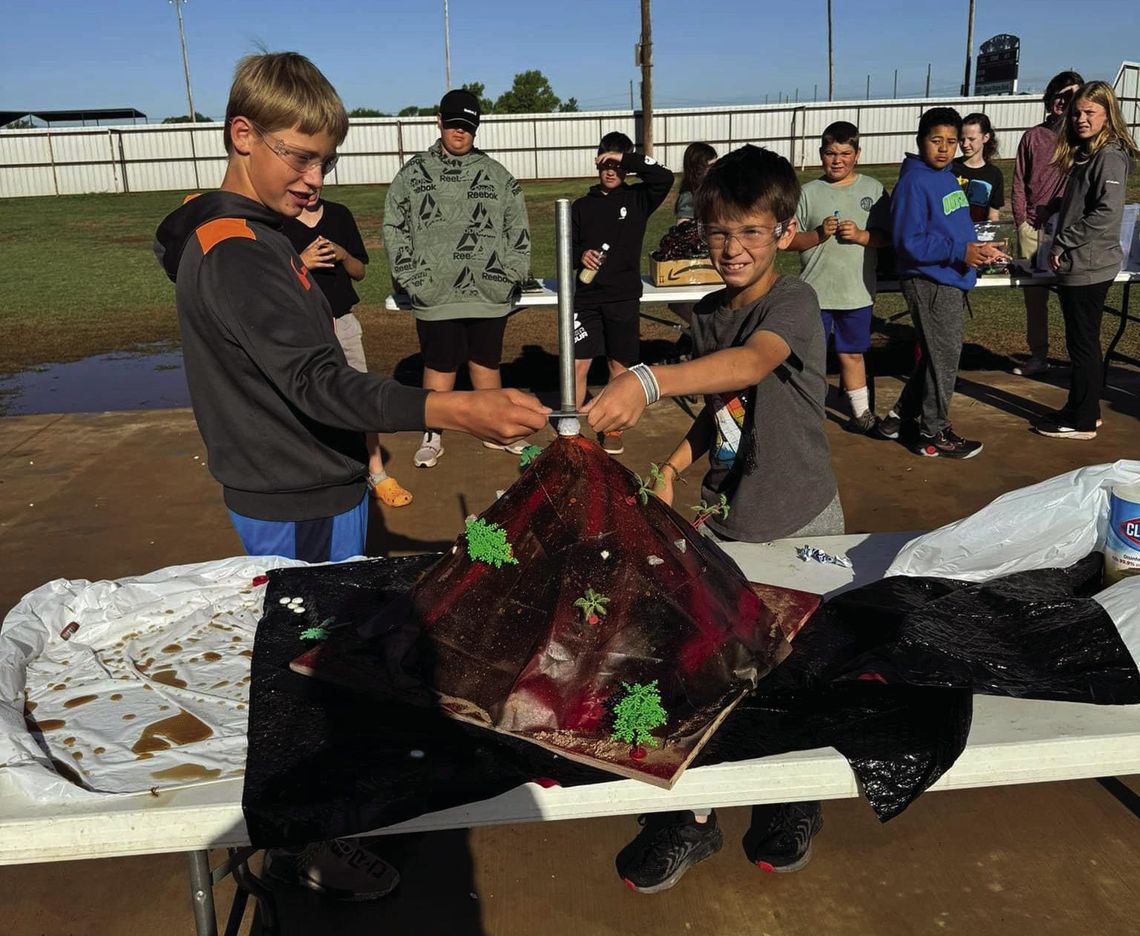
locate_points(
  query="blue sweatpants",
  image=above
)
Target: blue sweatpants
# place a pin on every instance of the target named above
(329, 539)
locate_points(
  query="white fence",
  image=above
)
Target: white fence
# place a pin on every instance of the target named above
(188, 157)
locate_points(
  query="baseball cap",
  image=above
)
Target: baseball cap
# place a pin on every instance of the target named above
(459, 109)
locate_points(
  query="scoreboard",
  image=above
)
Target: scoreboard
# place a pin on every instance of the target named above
(998, 65)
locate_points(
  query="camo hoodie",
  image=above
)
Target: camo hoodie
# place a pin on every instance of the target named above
(457, 237)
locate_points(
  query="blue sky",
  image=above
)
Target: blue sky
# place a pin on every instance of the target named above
(383, 54)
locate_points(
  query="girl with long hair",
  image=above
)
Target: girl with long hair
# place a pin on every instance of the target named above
(980, 179)
(1096, 150)
(697, 159)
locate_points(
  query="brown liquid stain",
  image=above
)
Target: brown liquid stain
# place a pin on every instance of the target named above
(100, 750)
(29, 707)
(81, 700)
(246, 653)
(235, 640)
(59, 687)
(78, 755)
(219, 685)
(179, 729)
(117, 697)
(69, 741)
(143, 666)
(211, 657)
(49, 724)
(168, 678)
(187, 772)
(130, 717)
(172, 648)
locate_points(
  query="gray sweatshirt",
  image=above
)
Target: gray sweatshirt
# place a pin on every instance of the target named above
(455, 228)
(1088, 232)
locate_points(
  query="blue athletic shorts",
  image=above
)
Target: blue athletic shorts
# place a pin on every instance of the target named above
(329, 539)
(851, 327)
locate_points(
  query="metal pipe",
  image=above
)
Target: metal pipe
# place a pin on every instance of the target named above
(565, 272)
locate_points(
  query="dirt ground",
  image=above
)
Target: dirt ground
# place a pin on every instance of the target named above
(109, 495)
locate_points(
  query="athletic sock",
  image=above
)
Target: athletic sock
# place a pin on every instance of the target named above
(859, 401)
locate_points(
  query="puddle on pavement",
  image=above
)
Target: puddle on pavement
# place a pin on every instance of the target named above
(151, 378)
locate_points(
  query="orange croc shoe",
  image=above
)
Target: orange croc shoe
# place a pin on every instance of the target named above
(390, 493)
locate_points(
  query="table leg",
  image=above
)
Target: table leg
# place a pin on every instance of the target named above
(1125, 318)
(202, 894)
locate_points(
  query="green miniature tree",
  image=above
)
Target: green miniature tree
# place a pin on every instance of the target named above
(638, 713)
(529, 454)
(704, 511)
(592, 604)
(487, 542)
(645, 485)
(322, 630)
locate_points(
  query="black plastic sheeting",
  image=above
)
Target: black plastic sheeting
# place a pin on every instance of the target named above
(885, 674)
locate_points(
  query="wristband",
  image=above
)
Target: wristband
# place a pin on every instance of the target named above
(676, 471)
(648, 383)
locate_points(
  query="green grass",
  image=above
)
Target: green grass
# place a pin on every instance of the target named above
(80, 278)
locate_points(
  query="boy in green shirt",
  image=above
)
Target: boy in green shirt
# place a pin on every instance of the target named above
(843, 218)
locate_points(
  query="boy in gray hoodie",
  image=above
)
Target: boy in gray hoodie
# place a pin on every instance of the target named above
(456, 232)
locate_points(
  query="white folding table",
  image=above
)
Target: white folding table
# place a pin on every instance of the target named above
(1011, 741)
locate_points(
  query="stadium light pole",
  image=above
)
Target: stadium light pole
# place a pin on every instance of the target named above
(177, 4)
(969, 51)
(446, 48)
(830, 58)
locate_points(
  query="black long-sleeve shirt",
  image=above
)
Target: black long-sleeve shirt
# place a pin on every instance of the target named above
(617, 218)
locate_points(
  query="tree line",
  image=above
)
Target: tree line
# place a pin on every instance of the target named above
(530, 93)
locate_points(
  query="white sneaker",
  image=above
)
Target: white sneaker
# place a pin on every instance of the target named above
(429, 451)
(339, 868)
(1031, 367)
(515, 448)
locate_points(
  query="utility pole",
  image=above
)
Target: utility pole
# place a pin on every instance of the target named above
(868, 87)
(646, 79)
(896, 91)
(830, 57)
(797, 95)
(928, 79)
(631, 105)
(969, 51)
(185, 59)
(814, 93)
(446, 48)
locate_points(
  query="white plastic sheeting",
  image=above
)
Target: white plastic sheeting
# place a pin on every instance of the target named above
(1049, 525)
(149, 692)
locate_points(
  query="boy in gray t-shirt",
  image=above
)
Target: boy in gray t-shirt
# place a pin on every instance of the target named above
(843, 219)
(759, 362)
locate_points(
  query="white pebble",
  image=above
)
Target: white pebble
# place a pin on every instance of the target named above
(284, 600)
(605, 554)
(680, 544)
(655, 560)
(297, 610)
(499, 494)
(416, 754)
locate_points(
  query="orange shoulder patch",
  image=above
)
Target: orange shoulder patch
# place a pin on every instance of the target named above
(190, 197)
(214, 232)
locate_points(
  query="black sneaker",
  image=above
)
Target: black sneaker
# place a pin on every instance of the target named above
(866, 424)
(666, 847)
(888, 427)
(779, 838)
(947, 444)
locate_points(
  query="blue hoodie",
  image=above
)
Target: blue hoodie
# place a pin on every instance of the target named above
(930, 218)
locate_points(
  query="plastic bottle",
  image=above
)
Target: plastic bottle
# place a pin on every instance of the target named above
(586, 275)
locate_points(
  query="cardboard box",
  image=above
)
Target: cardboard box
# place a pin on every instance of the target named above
(683, 272)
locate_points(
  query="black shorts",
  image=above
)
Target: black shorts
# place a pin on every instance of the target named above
(608, 329)
(448, 343)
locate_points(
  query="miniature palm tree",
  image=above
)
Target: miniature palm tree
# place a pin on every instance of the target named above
(704, 511)
(592, 604)
(487, 542)
(637, 714)
(646, 485)
(529, 454)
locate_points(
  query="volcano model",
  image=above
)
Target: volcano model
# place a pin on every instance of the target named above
(578, 612)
